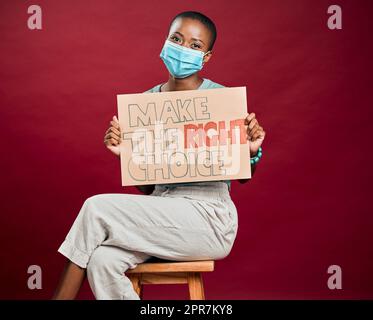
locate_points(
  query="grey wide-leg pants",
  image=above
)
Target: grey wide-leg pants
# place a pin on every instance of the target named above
(114, 232)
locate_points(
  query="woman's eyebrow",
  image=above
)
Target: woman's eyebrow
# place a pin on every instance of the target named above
(179, 33)
(198, 40)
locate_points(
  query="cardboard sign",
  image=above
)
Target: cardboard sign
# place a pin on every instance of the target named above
(183, 136)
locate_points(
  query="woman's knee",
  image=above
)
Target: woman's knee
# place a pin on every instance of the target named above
(107, 202)
(97, 205)
(97, 200)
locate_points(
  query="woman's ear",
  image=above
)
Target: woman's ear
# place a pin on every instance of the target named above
(207, 56)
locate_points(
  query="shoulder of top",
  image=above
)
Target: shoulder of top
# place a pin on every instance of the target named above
(154, 89)
(212, 84)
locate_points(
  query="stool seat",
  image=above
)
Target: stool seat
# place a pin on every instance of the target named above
(173, 266)
(159, 271)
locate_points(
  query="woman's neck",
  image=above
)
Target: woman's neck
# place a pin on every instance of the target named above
(177, 84)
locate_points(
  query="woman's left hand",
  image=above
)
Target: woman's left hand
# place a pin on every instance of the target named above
(255, 133)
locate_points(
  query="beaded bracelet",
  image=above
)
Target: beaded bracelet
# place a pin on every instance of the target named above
(256, 159)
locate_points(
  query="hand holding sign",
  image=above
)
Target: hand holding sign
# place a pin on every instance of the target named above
(255, 133)
(112, 137)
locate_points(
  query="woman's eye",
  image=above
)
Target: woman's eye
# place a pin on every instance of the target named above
(196, 46)
(175, 38)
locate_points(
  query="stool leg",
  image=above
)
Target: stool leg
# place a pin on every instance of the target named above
(195, 283)
(136, 282)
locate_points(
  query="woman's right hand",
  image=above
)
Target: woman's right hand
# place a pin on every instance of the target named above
(112, 137)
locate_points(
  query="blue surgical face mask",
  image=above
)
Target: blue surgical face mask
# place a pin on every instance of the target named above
(181, 61)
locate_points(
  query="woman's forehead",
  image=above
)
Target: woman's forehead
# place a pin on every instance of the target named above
(190, 28)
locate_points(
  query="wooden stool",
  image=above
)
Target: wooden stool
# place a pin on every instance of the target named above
(158, 271)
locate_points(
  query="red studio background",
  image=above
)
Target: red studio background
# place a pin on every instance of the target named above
(309, 204)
